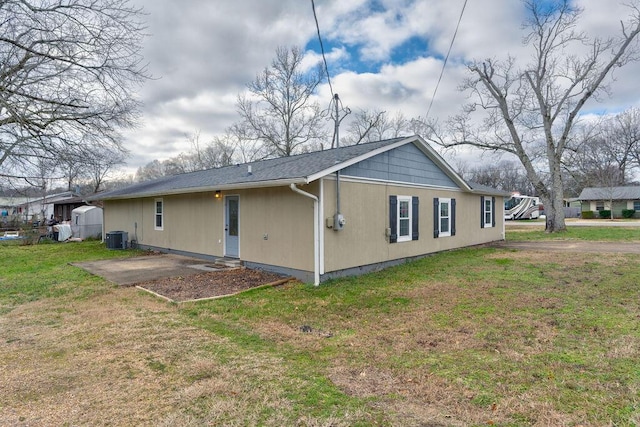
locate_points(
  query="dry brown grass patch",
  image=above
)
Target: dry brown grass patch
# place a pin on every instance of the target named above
(119, 359)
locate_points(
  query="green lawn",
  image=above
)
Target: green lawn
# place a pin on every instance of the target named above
(469, 337)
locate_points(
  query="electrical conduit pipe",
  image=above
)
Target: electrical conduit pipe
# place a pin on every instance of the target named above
(316, 234)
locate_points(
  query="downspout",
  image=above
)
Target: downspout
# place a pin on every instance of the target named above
(321, 228)
(316, 239)
(337, 132)
(504, 233)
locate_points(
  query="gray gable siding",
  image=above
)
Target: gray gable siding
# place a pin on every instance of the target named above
(403, 164)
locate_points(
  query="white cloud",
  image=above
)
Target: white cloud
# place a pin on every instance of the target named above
(204, 52)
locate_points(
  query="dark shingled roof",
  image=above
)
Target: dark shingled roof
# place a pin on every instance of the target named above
(289, 169)
(299, 169)
(613, 193)
(485, 189)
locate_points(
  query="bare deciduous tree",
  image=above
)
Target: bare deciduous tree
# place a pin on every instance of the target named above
(375, 125)
(279, 110)
(505, 175)
(220, 151)
(100, 163)
(152, 170)
(68, 69)
(621, 136)
(607, 152)
(531, 111)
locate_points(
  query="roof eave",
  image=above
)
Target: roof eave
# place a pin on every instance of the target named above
(204, 189)
(498, 193)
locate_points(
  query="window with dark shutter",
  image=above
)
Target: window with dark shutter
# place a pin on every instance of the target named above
(444, 217)
(403, 218)
(488, 212)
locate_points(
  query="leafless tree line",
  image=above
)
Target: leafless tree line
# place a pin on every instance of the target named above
(67, 72)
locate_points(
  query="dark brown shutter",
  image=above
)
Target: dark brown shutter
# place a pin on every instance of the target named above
(436, 217)
(493, 211)
(415, 215)
(453, 217)
(393, 219)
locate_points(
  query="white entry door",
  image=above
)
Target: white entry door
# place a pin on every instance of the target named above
(232, 226)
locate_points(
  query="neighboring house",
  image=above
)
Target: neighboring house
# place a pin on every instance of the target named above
(392, 200)
(62, 208)
(10, 208)
(42, 208)
(616, 199)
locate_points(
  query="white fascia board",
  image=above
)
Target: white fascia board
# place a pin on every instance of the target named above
(495, 192)
(227, 187)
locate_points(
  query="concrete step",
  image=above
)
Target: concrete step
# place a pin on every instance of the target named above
(229, 262)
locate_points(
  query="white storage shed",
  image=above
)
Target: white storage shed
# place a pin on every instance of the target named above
(86, 221)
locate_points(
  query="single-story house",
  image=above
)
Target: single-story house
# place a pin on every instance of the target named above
(316, 215)
(62, 208)
(9, 206)
(616, 199)
(42, 208)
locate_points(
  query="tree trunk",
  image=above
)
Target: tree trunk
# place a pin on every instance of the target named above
(554, 209)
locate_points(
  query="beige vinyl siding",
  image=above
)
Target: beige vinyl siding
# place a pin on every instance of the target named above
(287, 220)
(191, 222)
(195, 223)
(366, 209)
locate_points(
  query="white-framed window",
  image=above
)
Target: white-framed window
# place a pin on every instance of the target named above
(404, 218)
(159, 215)
(488, 214)
(444, 217)
(599, 206)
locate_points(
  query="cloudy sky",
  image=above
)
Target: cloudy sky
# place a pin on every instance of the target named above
(382, 54)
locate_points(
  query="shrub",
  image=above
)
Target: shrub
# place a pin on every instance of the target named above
(587, 215)
(606, 214)
(628, 213)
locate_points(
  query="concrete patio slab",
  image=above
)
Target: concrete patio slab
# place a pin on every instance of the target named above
(131, 271)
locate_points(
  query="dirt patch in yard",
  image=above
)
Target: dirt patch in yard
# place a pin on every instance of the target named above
(579, 246)
(212, 284)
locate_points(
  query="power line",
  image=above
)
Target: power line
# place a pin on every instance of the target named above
(446, 58)
(324, 59)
